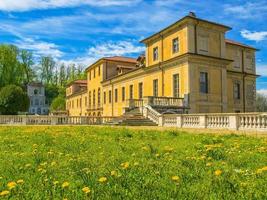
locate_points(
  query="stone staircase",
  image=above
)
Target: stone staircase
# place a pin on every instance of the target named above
(133, 117)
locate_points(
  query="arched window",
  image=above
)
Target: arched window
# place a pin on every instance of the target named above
(35, 91)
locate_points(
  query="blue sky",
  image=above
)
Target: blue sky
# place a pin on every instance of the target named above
(82, 31)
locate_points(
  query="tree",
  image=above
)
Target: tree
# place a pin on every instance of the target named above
(51, 92)
(13, 100)
(62, 75)
(10, 71)
(261, 103)
(27, 63)
(47, 67)
(58, 104)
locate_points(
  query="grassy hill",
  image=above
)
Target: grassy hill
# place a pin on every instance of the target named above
(119, 163)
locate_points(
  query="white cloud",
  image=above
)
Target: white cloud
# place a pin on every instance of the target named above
(254, 35)
(249, 10)
(26, 5)
(262, 70)
(121, 48)
(262, 91)
(40, 48)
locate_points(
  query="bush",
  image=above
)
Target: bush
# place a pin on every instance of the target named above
(13, 100)
(58, 104)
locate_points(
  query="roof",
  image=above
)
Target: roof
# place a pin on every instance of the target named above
(116, 59)
(239, 44)
(36, 84)
(79, 82)
(182, 19)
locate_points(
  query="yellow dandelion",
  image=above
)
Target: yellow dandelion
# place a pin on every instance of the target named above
(4, 193)
(175, 178)
(113, 173)
(208, 164)
(55, 182)
(65, 184)
(11, 185)
(86, 190)
(218, 172)
(102, 179)
(20, 181)
(157, 155)
(125, 165)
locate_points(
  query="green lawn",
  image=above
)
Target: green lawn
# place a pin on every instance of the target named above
(119, 163)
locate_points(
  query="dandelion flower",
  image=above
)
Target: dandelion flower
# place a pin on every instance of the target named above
(175, 178)
(218, 172)
(65, 184)
(11, 185)
(208, 164)
(86, 190)
(55, 182)
(113, 173)
(20, 181)
(102, 179)
(4, 193)
(125, 165)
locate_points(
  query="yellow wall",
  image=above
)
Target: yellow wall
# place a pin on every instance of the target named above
(76, 105)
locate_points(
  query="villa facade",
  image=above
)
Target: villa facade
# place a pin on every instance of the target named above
(188, 67)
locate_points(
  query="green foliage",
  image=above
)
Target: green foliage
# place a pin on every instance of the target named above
(58, 104)
(13, 100)
(137, 164)
(261, 103)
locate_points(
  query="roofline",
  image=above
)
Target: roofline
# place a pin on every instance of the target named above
(179, 21)
(72, 82)
(107, 59)
(241, 45)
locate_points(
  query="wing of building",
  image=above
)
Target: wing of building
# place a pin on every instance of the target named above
(188, 67)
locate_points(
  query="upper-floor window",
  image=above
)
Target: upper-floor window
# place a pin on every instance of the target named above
(94, 72)
(80, 102)
(90, 75)
(123, 93)
(89, 98)
(175, 45)
(98, 70)
(109, 96)
(176, 85)
(104, 98)
(203, 82)
(98, 96)
(237, 90)
(131, 92)
(155, 53)
(94, 97)
(204, 43)
(116, 95)
(140, 86)
(155, 87)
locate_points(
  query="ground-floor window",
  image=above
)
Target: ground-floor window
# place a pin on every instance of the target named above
(140, 86)
(236, 90)
(155, 87)
(176, 85)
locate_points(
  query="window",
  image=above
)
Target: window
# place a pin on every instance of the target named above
(109, 96)
(77, 103)
(98, 70)
(94, 97)
(140, 86)
(116, 95)
(176, 88)
(155, 53)
(98, 96)
(90, 75)
(123, 93)
(236, 90)
(35, 91)
(104, 97)
(94, 72)
(131, 92)
(204, 43)
(80, 102)
(155, 87)
(85, 101)
(90, 98)
(175, 45)
(203, 82)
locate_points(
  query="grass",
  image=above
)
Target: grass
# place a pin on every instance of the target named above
(120, 163)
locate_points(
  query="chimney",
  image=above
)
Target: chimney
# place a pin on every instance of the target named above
(192, 14)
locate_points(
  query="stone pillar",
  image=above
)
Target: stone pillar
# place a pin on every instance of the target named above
(179, 121)
(233, 122)
(161, 121)
(24, 120)
(202, 121)
(53, 120)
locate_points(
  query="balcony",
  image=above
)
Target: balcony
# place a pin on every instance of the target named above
(162, 102)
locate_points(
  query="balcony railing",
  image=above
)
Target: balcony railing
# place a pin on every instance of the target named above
(156, 102)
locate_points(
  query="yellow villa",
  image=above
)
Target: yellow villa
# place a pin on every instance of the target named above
(188, 67)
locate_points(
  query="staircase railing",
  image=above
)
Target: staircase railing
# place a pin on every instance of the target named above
(151, 114)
